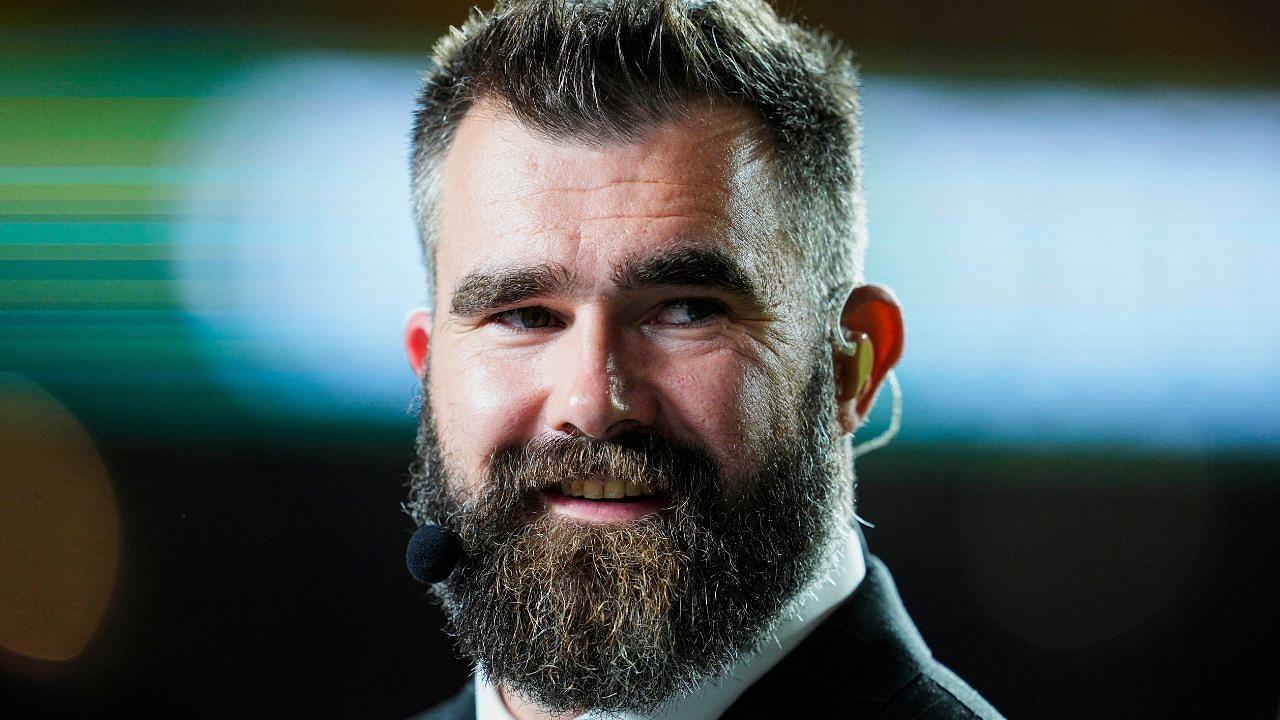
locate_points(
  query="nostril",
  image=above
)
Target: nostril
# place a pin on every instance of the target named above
(571, 430)
(620, 427)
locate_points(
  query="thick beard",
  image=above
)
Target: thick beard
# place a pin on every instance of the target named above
(574, 615)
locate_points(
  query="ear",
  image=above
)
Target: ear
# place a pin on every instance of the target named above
(417, 338)
(871, 343)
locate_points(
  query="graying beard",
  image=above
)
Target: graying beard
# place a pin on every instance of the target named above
(687, 591)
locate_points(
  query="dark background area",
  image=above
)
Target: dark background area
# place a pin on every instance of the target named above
(1061, 586)
(1175, 38)
(262, 562)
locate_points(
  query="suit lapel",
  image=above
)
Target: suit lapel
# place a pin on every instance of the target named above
(850, 666)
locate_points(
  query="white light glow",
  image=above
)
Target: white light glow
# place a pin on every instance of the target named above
(1076, 264)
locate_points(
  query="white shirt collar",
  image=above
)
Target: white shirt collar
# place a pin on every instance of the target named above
(844, 569)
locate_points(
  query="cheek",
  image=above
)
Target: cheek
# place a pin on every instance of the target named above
(481, 404)
(727, 406)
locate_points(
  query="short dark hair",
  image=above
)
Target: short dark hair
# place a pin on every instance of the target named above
(604, 70)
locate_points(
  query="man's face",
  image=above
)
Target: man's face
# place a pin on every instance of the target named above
(537, 239)
(626, 407)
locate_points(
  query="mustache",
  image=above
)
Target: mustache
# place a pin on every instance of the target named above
(659, 463)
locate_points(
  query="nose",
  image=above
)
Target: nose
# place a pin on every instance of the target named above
(595, 390)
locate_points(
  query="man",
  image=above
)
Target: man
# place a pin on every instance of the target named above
(648, 347)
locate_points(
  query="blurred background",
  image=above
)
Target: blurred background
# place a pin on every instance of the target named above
(206, 254)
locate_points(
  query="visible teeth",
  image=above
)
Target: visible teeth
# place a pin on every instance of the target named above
(615, 488)
(610, 488)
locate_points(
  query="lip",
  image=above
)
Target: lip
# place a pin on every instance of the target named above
(602, 511)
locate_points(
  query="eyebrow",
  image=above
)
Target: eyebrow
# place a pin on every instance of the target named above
(689, 266)
(484, 291)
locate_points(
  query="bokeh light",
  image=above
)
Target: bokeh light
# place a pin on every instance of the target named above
(296, 247)
(59, 527)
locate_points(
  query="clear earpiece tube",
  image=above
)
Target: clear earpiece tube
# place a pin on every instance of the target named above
(895, 422)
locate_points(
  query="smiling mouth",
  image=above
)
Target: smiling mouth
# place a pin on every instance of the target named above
(596, 500)
(606, 489)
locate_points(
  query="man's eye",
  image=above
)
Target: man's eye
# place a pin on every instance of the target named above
(527, 318)
(688, 312)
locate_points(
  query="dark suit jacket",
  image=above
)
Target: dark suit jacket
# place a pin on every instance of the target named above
(866, 660)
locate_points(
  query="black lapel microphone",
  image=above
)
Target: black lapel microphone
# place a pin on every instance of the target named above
(432, 554)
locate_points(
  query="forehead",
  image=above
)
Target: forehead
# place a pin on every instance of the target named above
(510, 196)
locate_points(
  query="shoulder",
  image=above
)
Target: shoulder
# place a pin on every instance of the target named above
(866, 660)
(887, 687)
(937, 693)
(461, 706)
